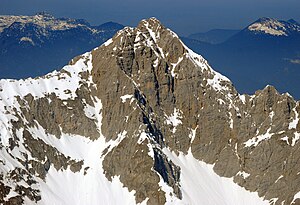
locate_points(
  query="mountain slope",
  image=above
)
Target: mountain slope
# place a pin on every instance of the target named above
(265, 52)
(138, 120)
(214, 36)
(31, 46)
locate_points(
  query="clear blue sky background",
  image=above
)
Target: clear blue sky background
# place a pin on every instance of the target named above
(183, 16)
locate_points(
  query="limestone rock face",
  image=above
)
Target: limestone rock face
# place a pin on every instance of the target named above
(118, 112)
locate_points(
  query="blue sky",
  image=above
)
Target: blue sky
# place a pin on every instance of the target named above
(184, 17)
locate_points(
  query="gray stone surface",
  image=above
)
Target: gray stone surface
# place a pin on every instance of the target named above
(141, 62)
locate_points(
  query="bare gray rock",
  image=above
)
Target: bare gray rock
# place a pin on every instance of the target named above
(150, 83)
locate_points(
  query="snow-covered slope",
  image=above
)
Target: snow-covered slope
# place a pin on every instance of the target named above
(141, 120)
(88, 186)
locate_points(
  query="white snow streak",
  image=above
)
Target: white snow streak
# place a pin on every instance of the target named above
(297, 196)
(174, 65)
(193, 134)
(294, 123)
(256, 140)
(108, 42)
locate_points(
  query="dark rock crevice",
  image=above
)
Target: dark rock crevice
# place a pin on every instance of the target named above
(168, 171)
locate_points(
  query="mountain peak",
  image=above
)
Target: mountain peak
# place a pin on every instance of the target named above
(151, 22)
(151, 25)
(268, 26)
(44, 14)
(274, 27)
(144, 114)
(265, 19)
(166, 48)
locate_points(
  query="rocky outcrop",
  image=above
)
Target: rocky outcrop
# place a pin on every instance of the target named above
(224, 121)
(156, 94)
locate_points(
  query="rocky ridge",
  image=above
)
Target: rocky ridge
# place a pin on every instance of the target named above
(44, 20)
(131, 109)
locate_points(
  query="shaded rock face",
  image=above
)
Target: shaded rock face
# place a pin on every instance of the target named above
(155, 94)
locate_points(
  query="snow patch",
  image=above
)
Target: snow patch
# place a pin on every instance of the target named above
(295, 138)
(193, 134)
(297, 196)
(215, 82)
(294, 123)
(174, 119)
(243, 98)
(256, 140)
(125, 97)
(272, 27)
(230, 120)
(143, 137)
(243, 174)
(197, 59)
(271, 115)
(174, 66)
(206, 186)
(286, 139)
(200, 62)
(89, 111)
(108, 42)
(155, 63)
(66, 187)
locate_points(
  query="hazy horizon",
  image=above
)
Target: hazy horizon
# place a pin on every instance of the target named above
(184, 18)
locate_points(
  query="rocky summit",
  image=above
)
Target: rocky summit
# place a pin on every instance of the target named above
(143, 119)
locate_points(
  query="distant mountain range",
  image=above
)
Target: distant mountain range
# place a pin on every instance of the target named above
(214, 36)
(34, 45)
(265, 52)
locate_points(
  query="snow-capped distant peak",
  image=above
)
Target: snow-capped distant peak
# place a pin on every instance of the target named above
(274, 27)
(43, 20)
(269, 26)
